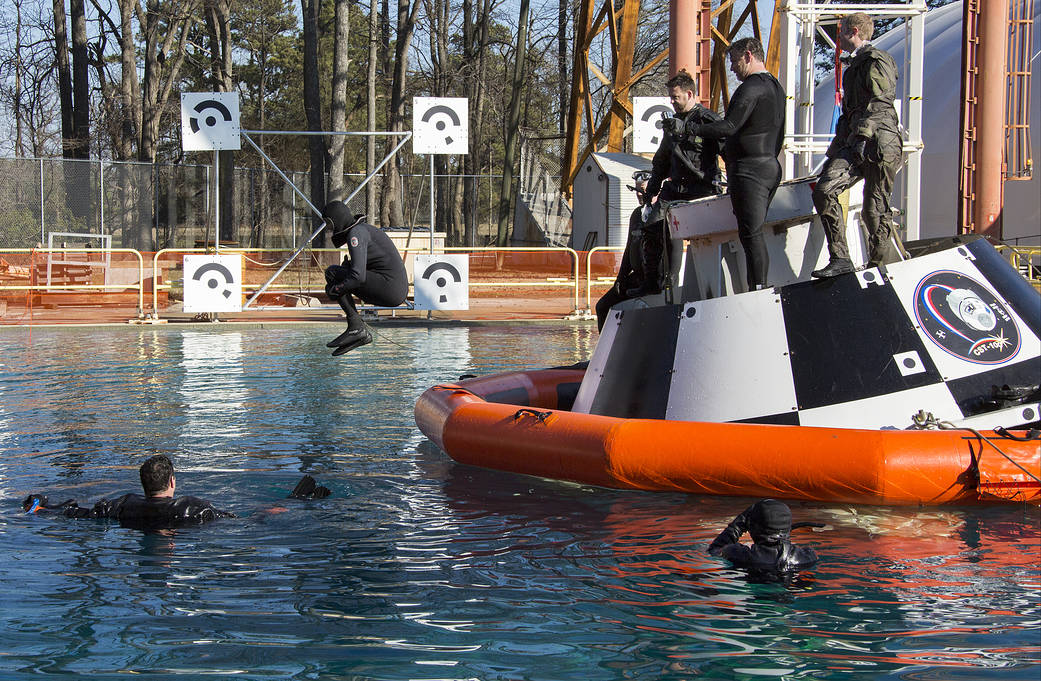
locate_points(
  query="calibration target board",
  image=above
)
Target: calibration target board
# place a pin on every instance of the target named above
(210, 121)
(442, 281)
(440, 125)
(647, 131)
(212, 283)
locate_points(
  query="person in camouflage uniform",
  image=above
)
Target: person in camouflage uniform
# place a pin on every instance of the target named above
(866, 146)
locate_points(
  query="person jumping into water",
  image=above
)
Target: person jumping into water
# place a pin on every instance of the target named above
(373, 271)
(158, 508)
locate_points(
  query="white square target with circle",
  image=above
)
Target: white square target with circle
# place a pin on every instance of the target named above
(647, 122)
(210, 121)
(442, 281)
(212, 283)
(440, 125)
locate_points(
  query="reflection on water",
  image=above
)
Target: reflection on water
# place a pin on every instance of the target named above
(212, 388)
(419, 568)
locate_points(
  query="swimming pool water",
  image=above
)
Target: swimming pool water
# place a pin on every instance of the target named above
(419, 568)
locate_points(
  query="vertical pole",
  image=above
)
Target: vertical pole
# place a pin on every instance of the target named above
(804, 110)
(990, 121)
(42, 239)
(431, 203)
(216, 201)
(683, 33)
(101, 193)
(206, 236)
(913, 122)
(789, 58)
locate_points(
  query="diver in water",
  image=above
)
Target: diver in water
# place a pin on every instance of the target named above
(373, 271)
(769, 522)
(158, 508)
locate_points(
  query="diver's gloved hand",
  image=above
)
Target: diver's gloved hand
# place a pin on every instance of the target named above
(34, 502)
(732, 532)
(335, 290)
(674, 126)
(307, 488)
(857, 150)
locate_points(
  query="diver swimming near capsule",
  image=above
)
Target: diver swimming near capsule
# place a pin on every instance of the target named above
(158, 509)
(372, 270)
(769, 522)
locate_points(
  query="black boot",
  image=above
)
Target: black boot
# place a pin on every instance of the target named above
(836, 267)
(356, 335)
(355, 339)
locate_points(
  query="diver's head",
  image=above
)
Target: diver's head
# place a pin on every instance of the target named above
(770, 522)
(338, 215)
(157, 476)
(340, 219)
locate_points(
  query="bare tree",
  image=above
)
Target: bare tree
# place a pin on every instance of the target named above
(338, 108)
(260, 28)
(370, 108)
(218, 29)
(391, 210)
(61, 63)
(513, 125)
(313, 110)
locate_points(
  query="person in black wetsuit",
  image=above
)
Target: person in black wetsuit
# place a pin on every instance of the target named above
(754, 128)
(769, 522)
(158, 508)
(631, 268)
(373, 271)
(685, 167)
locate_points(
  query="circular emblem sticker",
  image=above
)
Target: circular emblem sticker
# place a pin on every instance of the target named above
(964, 318)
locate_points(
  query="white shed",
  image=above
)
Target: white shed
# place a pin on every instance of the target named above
(602, 204)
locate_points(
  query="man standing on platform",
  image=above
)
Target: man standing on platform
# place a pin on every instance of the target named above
(866, 146)
(684, 168)
(754, 128)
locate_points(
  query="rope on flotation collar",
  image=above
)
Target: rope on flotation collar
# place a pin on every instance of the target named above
(455, 389)
(925, 420)
(540, 416)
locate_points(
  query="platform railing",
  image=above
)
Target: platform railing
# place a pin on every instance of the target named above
(313, 280)
(13, 272)
(1026, 260)
(560, 282)
(599, 279)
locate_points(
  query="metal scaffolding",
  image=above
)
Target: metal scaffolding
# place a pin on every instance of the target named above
(801, 22)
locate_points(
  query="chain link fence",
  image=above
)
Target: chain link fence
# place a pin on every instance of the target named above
(154, 206)
(540, 167)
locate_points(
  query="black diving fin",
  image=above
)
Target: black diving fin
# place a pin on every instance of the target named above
(307, 488)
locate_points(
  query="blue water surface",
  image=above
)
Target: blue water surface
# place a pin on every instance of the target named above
(420, 568)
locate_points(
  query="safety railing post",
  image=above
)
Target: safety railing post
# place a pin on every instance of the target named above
(589, 270)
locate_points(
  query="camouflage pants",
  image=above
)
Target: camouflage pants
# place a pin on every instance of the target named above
(837, 176)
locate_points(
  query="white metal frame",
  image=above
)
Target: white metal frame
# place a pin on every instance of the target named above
(106, 249)
(799, 24)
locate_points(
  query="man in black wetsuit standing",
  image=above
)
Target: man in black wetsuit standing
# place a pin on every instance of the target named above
(866, 146)
(373, 271)
(754, 131)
